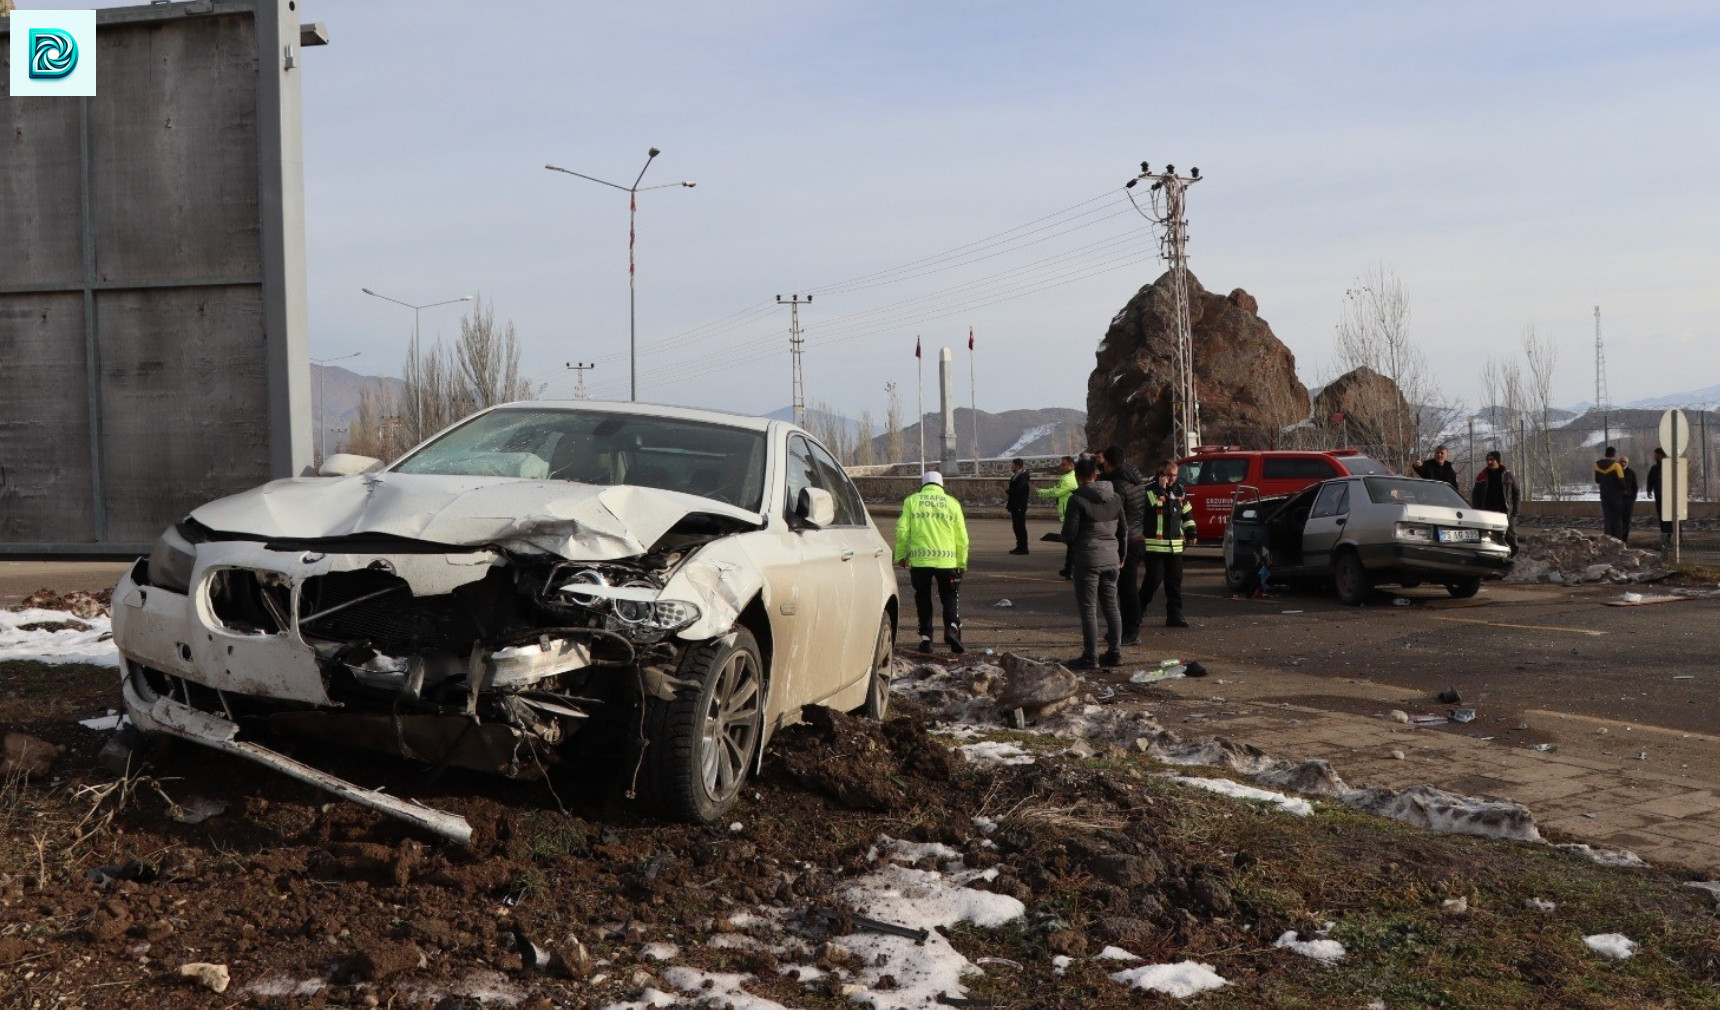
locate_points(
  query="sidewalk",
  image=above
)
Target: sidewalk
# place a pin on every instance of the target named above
(1591, 788)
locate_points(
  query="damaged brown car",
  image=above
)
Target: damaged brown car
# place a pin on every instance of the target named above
(667, 585)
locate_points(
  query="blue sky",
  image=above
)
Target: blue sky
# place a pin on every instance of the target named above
(1515, 164)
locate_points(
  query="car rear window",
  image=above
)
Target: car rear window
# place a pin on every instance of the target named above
(1364, 465)
(1410, 491)
(1297, 468)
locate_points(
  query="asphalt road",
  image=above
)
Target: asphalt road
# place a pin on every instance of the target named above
(1512, 651)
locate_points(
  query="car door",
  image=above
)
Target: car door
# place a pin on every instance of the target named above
(812, 663)
(870, 578)
(1326, 523)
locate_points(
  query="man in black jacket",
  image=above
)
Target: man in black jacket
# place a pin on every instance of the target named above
(1661, 511)
(1127, 482)
(1609, 478)
(1017, 503)
(1438, 467)
(1094, 530)
(1496, 491)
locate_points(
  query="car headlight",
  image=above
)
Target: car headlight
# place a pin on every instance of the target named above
(171, 561)
(1410, 531)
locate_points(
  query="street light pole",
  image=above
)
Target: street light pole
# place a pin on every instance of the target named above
(632, 192)
(322, 404)
(418, 383)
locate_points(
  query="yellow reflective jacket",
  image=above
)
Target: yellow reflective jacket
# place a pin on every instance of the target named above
(932, 532)
(1061, 490)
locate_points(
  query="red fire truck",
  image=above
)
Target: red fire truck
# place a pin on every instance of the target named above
(1215, 475)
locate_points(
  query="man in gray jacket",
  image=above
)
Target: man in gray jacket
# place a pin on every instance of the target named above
(1097, 535)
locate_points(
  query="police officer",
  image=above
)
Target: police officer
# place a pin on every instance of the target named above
(1169, 523)
(932, 544)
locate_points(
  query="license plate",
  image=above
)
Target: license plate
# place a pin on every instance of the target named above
(1459, 536)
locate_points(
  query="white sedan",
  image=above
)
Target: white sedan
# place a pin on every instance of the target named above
(653, 588)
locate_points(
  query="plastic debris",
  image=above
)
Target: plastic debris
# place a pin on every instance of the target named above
(1463, 715)
(1003, 603)
(1194, 670)
(1401, 602)
(1449, 696)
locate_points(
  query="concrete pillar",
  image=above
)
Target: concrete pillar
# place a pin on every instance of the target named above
(947, 405)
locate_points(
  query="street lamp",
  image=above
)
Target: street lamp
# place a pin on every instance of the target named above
(322, 403)
(632, 192)
(418, 383)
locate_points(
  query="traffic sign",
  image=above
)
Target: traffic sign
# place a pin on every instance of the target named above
(1674, 432)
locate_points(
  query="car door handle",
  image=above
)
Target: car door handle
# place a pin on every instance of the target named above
(848, 555)
(1342, 522)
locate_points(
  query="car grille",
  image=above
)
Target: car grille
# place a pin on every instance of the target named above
(243, 604)
(378, 607)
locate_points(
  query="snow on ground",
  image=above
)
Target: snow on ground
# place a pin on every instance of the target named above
(1611, 944)
(61, 638)
(660, 952)
(995, 752)
(1322, 950)
(1028, 437)
(927, 898)
(1182, 980)
(1225, 787)
(1606, 857)
(1427, 807)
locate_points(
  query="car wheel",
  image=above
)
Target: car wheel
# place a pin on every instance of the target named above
(1463, 589)
(882, 674)
(702, 743)
(1350, 579)
(1235, 579)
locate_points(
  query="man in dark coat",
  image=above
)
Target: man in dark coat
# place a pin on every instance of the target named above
(1627, 499)
(1094, 529)
(1017, 503)
(1609, 477)
(1496, 491)
(1169, 526)
(1132, 489)
(1437, 467)
(1661, 511)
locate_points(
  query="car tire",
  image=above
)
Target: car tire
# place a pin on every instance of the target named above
(1235, 579)
(882, 674)
(1463, 589)
(1350, 579)
(702, 743)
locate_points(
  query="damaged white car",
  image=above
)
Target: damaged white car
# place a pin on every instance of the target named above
(665, 586)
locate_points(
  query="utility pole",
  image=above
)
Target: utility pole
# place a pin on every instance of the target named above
(1168, 193)
(1601, 381)
(796, 344)
(581, 367)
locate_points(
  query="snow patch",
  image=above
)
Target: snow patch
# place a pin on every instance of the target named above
(1606, 857)
(927, 899)
(1322, 950)
(996, 752)
(1611, 944)
(1225, 787)
(1182, 980)
(1438, 810)
(77, 640)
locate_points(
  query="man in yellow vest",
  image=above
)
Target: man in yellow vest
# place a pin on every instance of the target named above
(932, 544)
(1061, 491)
(1169, 521)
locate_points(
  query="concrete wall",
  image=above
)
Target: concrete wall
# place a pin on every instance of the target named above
(152, 297)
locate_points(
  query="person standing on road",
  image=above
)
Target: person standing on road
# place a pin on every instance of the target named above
(1496, 491)
(1019, 484)
(1061, 491)
(1096, 532)
(1661, 511)
(1609, 477)
(1627, 499)
(1168, 524)
(932, 544)
(1437, 467)
(1132, 491)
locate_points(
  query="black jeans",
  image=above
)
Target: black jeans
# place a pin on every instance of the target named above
(949, 596)
(1164, 569)
(1096, 592)
(1129, 591)
(1018, 523)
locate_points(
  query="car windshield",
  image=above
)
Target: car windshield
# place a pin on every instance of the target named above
(593, 447)
(1410, 491)
(1358, 465)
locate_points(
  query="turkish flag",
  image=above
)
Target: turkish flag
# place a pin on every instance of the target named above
(916, 347)
(970, 338)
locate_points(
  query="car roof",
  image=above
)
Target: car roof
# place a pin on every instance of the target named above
(1221, 453)
(724, 417)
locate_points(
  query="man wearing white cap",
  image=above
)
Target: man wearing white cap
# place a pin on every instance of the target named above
(932, 544)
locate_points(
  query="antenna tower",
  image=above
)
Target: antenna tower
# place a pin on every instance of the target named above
(1600, 365)
(796, 344)
(581, 367)
(1168, 193)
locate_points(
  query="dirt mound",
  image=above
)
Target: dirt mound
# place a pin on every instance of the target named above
(77, 602)
(1572, 556)
(859, 763)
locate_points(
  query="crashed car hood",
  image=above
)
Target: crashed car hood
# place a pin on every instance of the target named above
(581, 522)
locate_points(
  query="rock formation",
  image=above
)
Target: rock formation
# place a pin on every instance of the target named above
(1364, 408)
(1245, 378)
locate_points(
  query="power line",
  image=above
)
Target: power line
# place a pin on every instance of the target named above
(796, 344)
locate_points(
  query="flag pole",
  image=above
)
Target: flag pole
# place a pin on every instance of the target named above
(973, 403)
(920, 384)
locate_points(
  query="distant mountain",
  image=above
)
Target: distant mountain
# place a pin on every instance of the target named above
(1697, 397)
(341, 388)
(1050, 431)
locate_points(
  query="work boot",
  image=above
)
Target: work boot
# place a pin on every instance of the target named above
(1175, 622)
(1112, 658)
(953, 638)
(1132, 638)
(926, 644)
(1019, 550)
(1082, 663)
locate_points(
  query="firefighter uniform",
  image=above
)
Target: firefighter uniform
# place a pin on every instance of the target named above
(1168, 523)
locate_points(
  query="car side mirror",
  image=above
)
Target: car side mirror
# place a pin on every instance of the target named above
(816, 507)
(347, 464)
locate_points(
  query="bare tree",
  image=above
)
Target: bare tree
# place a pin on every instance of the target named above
(865, 453)
(1373, 332)
(1541, 355)
(489, 359)
(831, 429)
(375, 429)
(894, 444)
